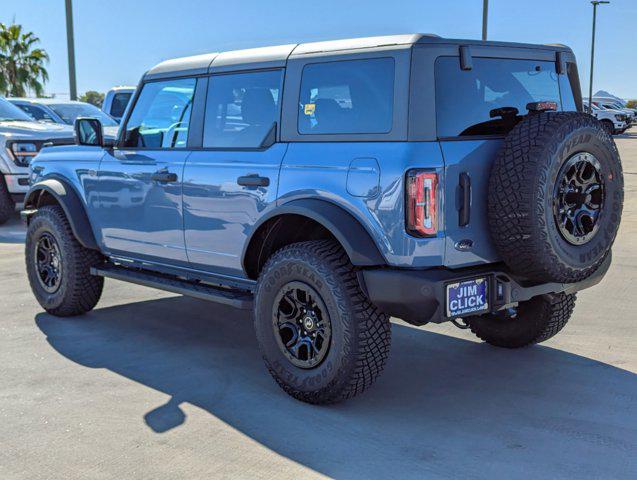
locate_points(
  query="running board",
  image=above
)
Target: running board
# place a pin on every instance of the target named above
(235, 298)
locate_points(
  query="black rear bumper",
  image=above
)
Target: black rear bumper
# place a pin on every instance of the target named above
(419, 296)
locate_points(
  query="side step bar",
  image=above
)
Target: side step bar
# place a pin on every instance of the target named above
(235, 298)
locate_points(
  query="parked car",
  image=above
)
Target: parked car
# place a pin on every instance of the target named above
(20, 140)
(615, 106)
(116, 100)
(64, 112)
(411, 176)
(616, 100)
(613, 121)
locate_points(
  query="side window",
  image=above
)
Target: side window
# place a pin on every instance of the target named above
(241, 108)
(347, 97)
(37, 113)
(120, 102)
(467, 100)
(161, 116)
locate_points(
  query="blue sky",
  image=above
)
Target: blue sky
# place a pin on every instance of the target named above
(117, 40)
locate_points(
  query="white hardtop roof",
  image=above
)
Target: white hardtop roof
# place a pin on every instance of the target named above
(275, 54)
(278, 55)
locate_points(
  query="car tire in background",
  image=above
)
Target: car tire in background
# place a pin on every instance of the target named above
(608, 126)
(321, 338)
(58, 267)
(7, 205)
(555, 197)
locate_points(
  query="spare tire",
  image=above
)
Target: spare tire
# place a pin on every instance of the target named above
(555, 197)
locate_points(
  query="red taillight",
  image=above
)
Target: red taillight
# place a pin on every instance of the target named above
(422, 205)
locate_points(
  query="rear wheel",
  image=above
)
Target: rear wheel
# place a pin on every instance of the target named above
(321, 338)
(59, 267)
(7, 205)
(533, 321)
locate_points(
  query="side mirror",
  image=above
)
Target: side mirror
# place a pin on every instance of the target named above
(88, 131)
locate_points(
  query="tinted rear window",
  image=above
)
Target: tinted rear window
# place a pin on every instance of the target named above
(120, 102)
(242, 108)
(466, 98)
(353, 96)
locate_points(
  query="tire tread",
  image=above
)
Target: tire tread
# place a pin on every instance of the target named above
(374, 333)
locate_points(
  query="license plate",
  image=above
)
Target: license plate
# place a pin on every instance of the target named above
(468, 297)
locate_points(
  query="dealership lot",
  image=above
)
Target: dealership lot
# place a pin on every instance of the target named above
(153, 385)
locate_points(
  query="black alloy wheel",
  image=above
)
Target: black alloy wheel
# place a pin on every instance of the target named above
(578, 199)
(48, 262)
(301, 324)
(58, 266)
(320, 337)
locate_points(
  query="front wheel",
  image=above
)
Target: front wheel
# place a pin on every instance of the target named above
(533, 321)
(59, 267)
(608, 126)
(7, 205)
(321, 338)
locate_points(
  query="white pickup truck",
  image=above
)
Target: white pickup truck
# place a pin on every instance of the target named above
(614, 121)
(21, 138)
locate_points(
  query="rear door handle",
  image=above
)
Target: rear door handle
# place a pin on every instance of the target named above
(464, 214)
(253, 180)
(164, 177)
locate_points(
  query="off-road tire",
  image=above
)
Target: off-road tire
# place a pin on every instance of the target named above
(521, 193)
(361, 333)
(78, 290)
(537, 320)
(7, 205)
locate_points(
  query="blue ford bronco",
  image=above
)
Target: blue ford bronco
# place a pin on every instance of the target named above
(328, 186)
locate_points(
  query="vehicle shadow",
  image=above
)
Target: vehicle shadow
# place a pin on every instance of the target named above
(13, 230)
(444, 407)
(631, 133)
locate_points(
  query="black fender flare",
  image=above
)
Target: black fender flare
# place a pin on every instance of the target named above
(70, 202)
(355, 239)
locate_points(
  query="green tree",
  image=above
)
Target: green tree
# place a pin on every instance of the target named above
(93, 97)
(21, 64)
(631, 103)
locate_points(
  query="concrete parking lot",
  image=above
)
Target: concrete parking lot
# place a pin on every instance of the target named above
(153, 385)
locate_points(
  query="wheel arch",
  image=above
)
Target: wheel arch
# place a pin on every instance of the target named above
(320, 219)
(55, 191)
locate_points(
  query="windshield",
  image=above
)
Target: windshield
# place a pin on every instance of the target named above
(68, 112)
(9, 111)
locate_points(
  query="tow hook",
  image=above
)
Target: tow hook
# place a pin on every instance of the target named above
(460, 323)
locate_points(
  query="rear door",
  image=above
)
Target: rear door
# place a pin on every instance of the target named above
(138, 205)
(471, 126)
(232, 180)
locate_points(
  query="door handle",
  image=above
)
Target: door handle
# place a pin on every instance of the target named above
(164, 177)
(464, 214)
(253, 180)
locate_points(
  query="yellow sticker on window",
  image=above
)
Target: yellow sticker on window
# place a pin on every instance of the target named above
(309, 108)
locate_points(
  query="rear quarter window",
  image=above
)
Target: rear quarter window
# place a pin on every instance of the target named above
(120, 102)
(347, 97)
(467, 99)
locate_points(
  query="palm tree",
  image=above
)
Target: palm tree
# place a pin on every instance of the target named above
(21, 65)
